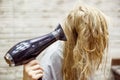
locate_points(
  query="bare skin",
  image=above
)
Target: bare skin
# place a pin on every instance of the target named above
(32, 71)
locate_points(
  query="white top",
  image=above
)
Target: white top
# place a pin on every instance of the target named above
(51, 61)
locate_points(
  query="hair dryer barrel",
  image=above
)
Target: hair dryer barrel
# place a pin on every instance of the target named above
(27, 50)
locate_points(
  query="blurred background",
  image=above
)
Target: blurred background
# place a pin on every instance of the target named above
(25, 19)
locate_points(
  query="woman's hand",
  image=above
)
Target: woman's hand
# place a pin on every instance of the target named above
(32, 71)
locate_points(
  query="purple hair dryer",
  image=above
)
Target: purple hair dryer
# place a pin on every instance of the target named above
(27, 50)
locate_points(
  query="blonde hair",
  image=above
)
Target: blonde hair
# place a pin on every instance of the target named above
(87, 38)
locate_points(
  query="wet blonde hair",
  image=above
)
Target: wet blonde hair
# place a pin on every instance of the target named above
(87, 38)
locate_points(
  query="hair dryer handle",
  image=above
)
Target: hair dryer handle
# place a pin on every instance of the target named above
(40, 79)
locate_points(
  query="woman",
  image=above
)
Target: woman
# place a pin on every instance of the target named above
(80, 56)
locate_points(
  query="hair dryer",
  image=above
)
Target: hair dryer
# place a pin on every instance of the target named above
(27, 50)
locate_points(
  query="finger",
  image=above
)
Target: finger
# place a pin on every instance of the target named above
(38, 72)
(36, 67)
(36, 77)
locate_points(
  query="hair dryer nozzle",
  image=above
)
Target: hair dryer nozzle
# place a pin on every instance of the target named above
(59, 33)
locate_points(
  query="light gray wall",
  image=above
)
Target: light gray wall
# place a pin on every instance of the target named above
(25, 19)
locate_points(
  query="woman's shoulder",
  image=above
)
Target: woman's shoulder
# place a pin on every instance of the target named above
(53, 52)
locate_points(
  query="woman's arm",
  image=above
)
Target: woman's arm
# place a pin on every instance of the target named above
(32, 71)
